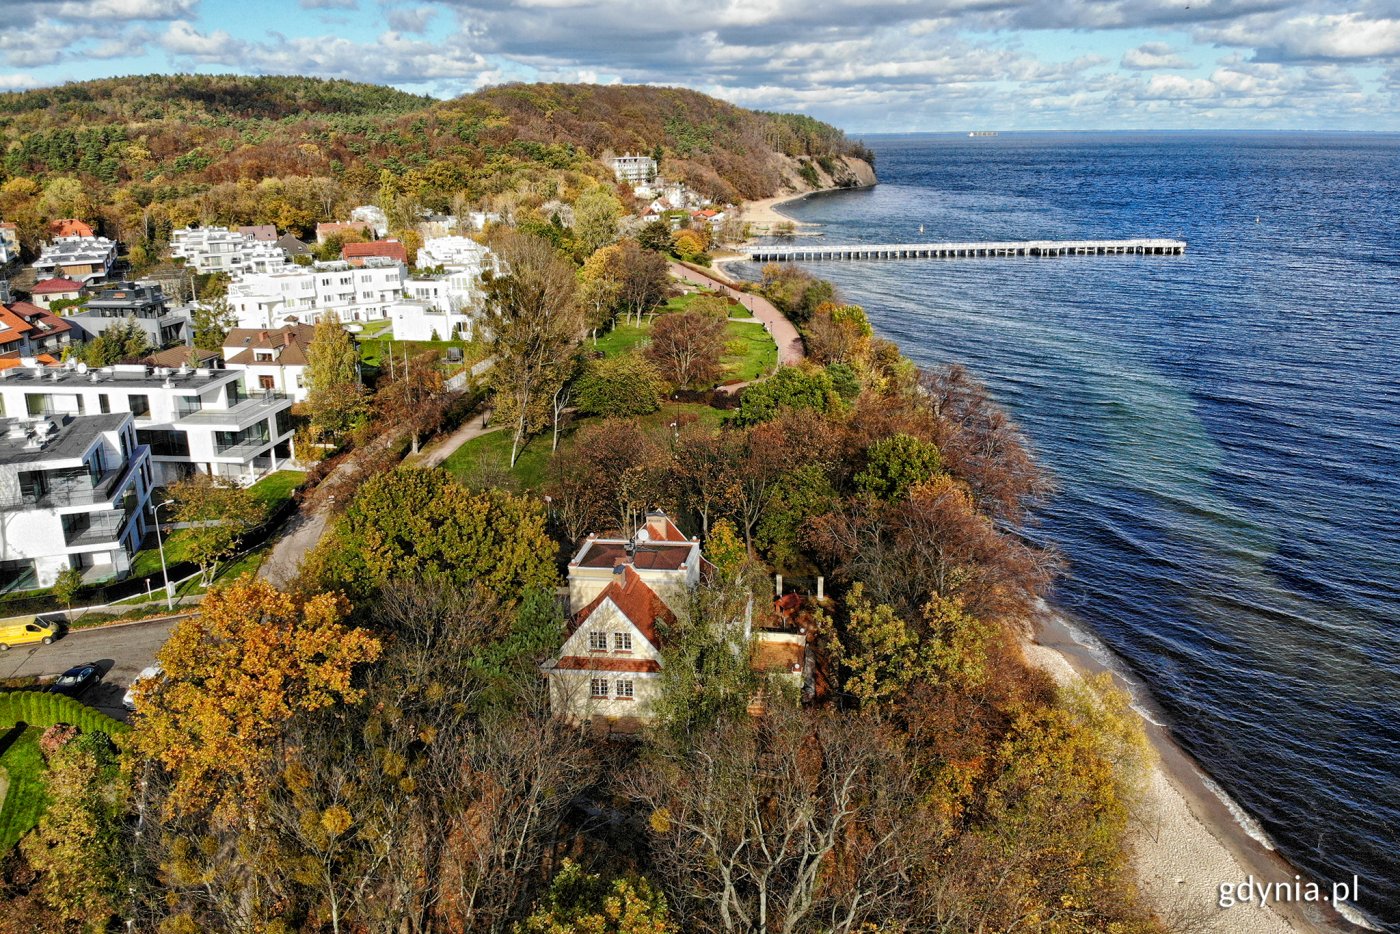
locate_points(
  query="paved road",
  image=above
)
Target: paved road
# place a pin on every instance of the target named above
(122, 651)
(440, 450)
(790, 350)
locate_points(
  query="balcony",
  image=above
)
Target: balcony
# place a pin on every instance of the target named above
(75, 493)
(241, 415)
(94, 528)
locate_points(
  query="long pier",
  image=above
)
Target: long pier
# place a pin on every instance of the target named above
(1144, 247)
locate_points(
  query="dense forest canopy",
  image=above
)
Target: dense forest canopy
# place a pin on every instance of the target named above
(158, 151)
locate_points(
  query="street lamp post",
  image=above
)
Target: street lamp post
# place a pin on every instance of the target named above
(160, 543)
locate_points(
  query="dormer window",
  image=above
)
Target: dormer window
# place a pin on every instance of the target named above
(263, 355)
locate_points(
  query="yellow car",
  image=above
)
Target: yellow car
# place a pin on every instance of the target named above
(21, 630)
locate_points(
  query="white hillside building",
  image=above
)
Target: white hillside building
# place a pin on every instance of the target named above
(449, 303)
(301, 294)
(218, 249)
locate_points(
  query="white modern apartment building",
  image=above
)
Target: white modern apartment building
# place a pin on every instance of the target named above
(301, 294)
(193, 419)
(635, 170)
(74, 493)
(445, 304)
(218, 249)
(82, 259)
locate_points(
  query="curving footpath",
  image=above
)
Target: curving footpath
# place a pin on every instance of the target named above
(790, 350)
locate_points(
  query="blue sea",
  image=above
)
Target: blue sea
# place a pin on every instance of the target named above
(1224, 428)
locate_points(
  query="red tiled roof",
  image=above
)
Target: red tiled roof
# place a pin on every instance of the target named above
(50, 323)
(8, 225)
(11, 360)
(56, 284)
(14, 325)
(635, 600)
(393, 249)
(70, 227)
(605, 663)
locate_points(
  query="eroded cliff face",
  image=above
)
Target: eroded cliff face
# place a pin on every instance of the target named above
(799, 174)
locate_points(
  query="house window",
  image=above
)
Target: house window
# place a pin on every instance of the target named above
(140, 404)
(622, 641)
(598, 641)
(104, 403)
(266, 382)
(624, 689)
(598, 687)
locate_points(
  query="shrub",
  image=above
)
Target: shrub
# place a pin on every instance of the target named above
(619, 386)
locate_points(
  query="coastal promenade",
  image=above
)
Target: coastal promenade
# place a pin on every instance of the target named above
(990, 248)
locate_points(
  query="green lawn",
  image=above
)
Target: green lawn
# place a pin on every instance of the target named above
(276, 488)
(374, 351)
(375, 328)
(26, 799)
(491, 453)
(749, 352)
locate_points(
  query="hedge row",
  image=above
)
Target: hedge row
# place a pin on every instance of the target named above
(43, 709)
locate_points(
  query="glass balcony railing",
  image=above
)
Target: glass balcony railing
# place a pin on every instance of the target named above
(95, 528)
(73, 493)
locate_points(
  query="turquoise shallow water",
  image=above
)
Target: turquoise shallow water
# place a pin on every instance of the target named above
(1224, 427)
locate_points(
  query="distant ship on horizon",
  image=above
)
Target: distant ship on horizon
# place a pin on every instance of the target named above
(976, 133)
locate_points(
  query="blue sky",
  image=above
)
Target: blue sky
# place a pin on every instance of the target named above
(866, 65)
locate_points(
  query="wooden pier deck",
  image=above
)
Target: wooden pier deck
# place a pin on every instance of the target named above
(1144, 247)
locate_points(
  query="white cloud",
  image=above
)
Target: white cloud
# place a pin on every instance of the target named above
(1153, 56)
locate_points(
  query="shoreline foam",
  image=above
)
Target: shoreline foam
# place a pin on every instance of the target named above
(1191, 835)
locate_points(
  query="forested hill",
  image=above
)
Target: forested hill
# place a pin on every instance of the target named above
(117, 150)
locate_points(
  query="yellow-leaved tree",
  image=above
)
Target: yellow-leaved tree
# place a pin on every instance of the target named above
(234, 674)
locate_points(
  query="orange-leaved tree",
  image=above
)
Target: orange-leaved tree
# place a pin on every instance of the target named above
(234, 674)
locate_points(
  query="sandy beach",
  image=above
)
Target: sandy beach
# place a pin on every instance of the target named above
(764, 215)
(1186, 842)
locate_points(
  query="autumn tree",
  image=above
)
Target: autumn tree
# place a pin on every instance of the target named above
(609, 477)
(704, 471)
(627, 384)
(423, 522)
(234, 674)
(600, 287)
(579, 902)
(335, 400)
(77, 846)
(686, 347)
(596, 213)
(534, 323)
(414, 396)
(216, 513)
(642, 277)
(838, 334)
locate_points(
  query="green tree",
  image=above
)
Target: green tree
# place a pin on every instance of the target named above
(216, 512)
(335, 400)
(656, 236)
(618, 386)
(234, 675)
(596, 213)
(77, 846)
(725, 549)
(791, 387)
(212, 322)
(895, 464)
(123, 341)
(66, 585)
(411, 522)
(585, 903)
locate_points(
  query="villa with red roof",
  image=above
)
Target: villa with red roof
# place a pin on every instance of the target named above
(47, 291)
(623, 594)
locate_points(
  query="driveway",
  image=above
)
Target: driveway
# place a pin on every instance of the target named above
(121, 650)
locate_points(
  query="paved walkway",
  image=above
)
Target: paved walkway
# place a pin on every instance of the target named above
(790, 350)
(443, 448)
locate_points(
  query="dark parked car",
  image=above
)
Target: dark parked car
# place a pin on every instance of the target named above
(78, 679)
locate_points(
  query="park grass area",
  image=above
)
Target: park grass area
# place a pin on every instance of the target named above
(26, 798)
(623, 338)
(374, 352)
(489, 455)
(371, 329)
(750, 353)
(277, 487)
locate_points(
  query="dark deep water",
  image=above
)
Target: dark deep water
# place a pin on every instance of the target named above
(1224, 427)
